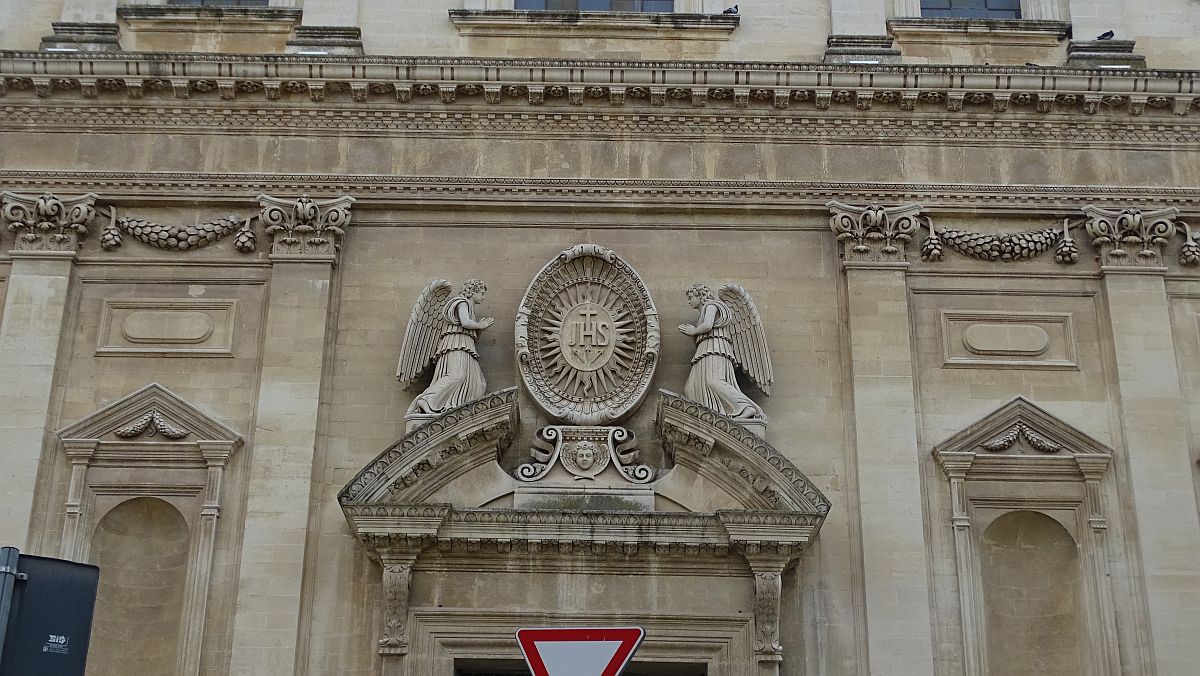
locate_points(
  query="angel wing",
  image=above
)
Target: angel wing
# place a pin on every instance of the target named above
(426, 325)
(750, 351)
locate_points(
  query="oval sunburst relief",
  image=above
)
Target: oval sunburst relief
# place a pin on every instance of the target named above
(587, 337)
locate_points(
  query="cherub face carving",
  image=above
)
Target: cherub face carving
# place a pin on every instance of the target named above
(585, 455)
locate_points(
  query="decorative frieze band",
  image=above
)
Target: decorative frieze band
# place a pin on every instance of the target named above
(384, 190)
(301, 227)
(536, 82)
(814, 127)
(1130, 236)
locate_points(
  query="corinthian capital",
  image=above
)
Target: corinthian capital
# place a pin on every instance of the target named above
(1131, 237)
(305, 227)
(874, 233)
(46, 222)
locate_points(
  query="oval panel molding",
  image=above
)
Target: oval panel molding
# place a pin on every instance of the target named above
(587, 337)
(1018, 340)
(167, 326)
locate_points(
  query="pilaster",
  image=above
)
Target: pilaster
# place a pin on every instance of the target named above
(307, 236)
(895, 568)
(328, 27)
(1153, 419)
(47, 231)
(84, 26)
(858, 33)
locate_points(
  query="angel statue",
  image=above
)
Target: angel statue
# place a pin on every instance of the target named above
(445, 329)
(728, 333)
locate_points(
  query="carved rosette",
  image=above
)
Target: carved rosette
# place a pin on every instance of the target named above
(1131, 237)
(587, 337)
(47, 223)
(305, 227)
(874, 233)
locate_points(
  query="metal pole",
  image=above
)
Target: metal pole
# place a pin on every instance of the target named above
(8, 580)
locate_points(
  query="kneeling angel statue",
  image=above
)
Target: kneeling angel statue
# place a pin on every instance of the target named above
(444, 328)
(728, 333)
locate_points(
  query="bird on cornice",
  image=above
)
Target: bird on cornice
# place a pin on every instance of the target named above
(1106, 35)
(731, 10)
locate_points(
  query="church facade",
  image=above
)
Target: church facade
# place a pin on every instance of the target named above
(852, 337)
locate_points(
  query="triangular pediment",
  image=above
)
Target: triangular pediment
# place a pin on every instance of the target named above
(1021, 427)
(152, 413)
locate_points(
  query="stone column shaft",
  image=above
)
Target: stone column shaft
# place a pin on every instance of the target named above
(266, 623)
(895, 567)
(35, 310)
(1154, 421)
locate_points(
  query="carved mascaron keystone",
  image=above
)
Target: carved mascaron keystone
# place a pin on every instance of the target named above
(585, 452)
(587, 337)
(47, 223)
(305, 227)
(1131, 237)
(874, 233)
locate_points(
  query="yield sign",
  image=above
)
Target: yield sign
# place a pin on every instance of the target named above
(579, 652)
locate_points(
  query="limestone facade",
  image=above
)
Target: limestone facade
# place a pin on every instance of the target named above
(957, 253)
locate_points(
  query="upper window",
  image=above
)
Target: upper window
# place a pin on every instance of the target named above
(971, 9)
(598, 5)
(219, 3)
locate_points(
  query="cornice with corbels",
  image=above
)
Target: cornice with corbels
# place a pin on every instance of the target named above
(598, 84)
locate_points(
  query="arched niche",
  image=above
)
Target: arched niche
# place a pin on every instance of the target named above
(732, 515)
(1032, 596)
(150, 445)
(1034, 475)
(141, 547)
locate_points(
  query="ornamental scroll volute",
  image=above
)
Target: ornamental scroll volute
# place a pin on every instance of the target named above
(587, 337)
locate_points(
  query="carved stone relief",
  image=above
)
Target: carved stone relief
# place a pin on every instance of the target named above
(47, 223)
(728, 333)
(585, 452)
(874, 233)
(443, 330)
(305, 227)
(1133, 237)
(587, 337)
(178, 237)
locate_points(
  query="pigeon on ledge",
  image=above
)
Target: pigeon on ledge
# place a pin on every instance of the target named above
(1106, 35)
(731, 10)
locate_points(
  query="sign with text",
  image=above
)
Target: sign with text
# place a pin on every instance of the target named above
(581, 651)
(50, 622)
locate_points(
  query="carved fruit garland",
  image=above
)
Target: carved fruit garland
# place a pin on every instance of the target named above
(179, 237)
(152, 422)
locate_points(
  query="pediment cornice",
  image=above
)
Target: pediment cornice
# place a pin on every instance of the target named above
(1022, 440)
(151, 412)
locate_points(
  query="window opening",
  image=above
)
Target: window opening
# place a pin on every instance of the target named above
(971, 9)
(597, 5)
(219, 3)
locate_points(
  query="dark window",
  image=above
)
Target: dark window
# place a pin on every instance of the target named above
(598, 5)
(219, 3)
(971, 9)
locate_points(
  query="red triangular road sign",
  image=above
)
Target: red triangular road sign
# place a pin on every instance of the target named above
(596, 651)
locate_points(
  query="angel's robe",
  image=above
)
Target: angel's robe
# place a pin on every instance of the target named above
(713, 380)
(457, 378)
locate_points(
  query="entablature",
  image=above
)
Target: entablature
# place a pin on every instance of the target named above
(667, 84)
